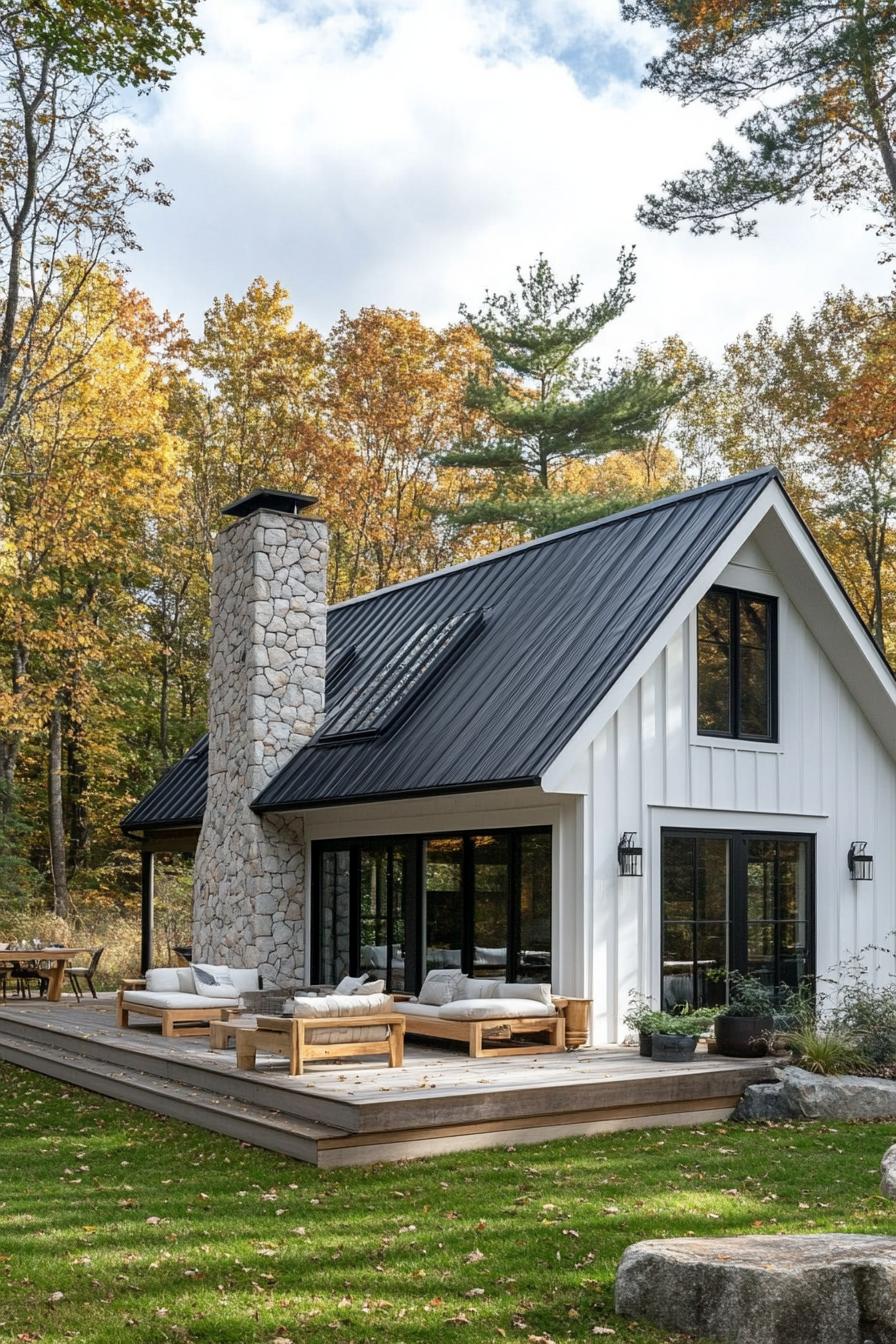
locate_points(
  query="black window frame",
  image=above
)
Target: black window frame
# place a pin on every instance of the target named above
(736, 733)
(737, 921)
(415, 914)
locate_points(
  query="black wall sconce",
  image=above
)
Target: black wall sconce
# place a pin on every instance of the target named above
(629, 856)
(861, 865)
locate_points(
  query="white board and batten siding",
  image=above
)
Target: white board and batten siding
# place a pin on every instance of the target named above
(829, 776)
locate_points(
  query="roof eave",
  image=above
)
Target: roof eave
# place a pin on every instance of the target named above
(345, 800)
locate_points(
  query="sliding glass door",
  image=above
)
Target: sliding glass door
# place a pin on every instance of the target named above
(736, 901)
(397, 908)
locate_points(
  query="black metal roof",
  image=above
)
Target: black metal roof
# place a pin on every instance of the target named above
(565, 614)
(178, 800)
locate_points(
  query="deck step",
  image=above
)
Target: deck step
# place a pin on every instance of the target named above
(265, 1128)
(215, 1078)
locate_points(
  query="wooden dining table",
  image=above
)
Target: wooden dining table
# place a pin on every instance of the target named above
(58, 957)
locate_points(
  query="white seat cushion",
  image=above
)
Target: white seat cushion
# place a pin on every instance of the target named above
(478, 1010)
(133, 998)
(418, 1009)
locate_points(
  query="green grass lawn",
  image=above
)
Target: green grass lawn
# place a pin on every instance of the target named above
(116, 1224)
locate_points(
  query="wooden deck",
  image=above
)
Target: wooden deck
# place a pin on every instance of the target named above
(347, 1114)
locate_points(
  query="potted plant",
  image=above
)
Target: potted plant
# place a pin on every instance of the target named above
(746, 1023)
(643, 1019)
(675, 1035)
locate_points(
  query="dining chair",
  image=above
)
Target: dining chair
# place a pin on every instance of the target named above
(86, 973)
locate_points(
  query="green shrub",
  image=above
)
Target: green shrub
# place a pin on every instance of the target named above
(825, 1049)
(864, 1010)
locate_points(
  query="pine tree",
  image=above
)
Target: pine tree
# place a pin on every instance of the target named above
(547, 410)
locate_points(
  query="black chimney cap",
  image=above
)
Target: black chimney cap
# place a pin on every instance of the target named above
(280, 501)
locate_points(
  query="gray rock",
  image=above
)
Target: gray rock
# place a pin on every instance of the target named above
(888, 1173)
(762, 1101)
(825, 1289)
(800, 1095)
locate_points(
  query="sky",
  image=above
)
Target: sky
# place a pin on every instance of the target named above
(412, 153)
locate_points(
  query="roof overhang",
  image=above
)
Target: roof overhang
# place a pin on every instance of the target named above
(816, 592)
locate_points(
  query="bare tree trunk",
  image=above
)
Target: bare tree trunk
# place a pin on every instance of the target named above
(11, 741)
(164, 697)
(57, 815)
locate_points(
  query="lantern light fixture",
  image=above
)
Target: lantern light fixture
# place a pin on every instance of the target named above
(629, 855)
(861, 865)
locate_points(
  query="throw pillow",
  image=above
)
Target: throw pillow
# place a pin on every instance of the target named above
(349, 984)
(372, 987)
(440, 987)
(213, 982)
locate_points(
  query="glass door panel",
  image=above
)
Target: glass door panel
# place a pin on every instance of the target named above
(335, 915)
(534, 908)
(696, 880)
(443, 893)
(777, 905)
(381, 891)
(491, 900)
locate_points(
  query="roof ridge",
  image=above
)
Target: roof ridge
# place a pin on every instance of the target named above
(772, 473)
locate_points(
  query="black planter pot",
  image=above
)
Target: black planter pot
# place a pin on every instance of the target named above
(673, 1049)
(645, 1044)
(743, 1037)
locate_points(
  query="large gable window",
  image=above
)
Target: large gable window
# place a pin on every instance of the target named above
(736, 665)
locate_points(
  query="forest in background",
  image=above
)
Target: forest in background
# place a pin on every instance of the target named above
(123, 434)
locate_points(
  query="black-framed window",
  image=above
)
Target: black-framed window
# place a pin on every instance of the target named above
(397, 907)
(737, 681)
(737, 901)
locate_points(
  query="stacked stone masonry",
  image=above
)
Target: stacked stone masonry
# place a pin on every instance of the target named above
(266, 698)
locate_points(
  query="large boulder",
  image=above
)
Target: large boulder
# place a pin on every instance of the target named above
(825, 1289)
(800, 1095)
(888, 1173)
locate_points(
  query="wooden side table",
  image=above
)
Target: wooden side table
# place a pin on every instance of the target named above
(577, 1013)
(220, 1034)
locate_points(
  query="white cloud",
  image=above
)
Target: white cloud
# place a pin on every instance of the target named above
(412, 152)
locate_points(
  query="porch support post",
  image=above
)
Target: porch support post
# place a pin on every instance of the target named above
(147, 914)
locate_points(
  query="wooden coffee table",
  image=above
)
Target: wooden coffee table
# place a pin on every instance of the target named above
(289, 1037)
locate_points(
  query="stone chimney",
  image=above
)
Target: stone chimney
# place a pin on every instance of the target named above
(265, 699)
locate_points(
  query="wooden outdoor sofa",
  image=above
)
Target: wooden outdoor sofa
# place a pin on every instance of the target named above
(491, 1017)
(168, 993)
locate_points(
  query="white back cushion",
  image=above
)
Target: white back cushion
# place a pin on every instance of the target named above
(165, 980)
(244, 978)
(343, 1005)
(539, 993)
(372, 987)
(440, 987)
(472, 988)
